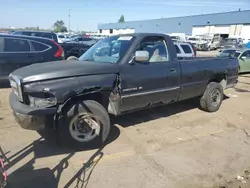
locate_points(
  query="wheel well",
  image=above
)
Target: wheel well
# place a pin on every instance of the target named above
(100, 97)
(221, 78)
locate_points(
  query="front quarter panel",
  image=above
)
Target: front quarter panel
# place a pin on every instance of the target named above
(66, 88)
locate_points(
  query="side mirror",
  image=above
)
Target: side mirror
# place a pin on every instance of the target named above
(243, 57)
(141, 56)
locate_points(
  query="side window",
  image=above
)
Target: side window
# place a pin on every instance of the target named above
(37, 34)
(177, 49)
(38, 47)
(186, 49)
(47, 35)
(246, 54)
(26, 33)
(86, 39)
(16, 45)
(156, 47)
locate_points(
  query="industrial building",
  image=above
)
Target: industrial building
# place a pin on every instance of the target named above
(232, 23)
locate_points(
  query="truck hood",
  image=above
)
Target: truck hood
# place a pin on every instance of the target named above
(63, 69)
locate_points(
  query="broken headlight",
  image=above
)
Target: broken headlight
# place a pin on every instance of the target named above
(42, 100)
(15, 84)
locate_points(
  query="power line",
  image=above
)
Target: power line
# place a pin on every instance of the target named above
(69, 19)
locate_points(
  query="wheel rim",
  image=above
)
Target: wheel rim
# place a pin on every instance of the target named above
(84, 127)
(215, 97)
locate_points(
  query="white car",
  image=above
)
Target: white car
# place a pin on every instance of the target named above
(61, 38)
(184, 50)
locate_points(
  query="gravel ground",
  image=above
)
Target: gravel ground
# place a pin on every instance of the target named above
(170, 146)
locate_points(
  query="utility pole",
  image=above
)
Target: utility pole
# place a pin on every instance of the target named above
(69, 20)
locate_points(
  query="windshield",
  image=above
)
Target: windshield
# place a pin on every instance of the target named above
(229, 53)
(109, 50)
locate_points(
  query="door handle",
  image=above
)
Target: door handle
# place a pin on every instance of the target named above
(172, 70)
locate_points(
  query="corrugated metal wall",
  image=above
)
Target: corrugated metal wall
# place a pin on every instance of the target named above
(182, 24)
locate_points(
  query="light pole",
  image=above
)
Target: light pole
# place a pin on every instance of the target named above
(69, 19)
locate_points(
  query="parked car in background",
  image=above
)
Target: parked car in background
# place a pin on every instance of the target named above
(62, 38)
(72, 51)
(43, 34)
(192, 40)
(232, 42)
(204, 44)
(243, 56)
(17, 51)
(81, 39)
(194, 48)
(180, 37)
(184, 50)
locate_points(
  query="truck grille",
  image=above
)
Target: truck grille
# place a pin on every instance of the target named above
(15, 84)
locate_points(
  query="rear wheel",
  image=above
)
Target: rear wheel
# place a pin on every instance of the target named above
(85, 123)
(212, 98)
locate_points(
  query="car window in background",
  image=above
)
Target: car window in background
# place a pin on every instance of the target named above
(86, 39)
(38, 46)
(16, 45)
(186, 49)
(48, 35)
(61, 36)
(17, 33)
(36, 35)
(26, 33)
(192, 39)
(230, 41)
(177, 49)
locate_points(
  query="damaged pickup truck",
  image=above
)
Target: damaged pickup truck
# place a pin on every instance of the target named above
(117, 75)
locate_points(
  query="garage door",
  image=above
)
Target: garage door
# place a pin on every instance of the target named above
(198, 30)
(222, 29)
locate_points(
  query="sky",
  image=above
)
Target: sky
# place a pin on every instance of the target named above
(87, 14)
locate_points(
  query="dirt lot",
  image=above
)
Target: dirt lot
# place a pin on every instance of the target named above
(170, 146)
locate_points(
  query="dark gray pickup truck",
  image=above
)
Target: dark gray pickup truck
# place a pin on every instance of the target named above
(117, 75)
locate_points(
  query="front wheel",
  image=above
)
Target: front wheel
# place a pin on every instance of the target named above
(212, 97)
(85, 123)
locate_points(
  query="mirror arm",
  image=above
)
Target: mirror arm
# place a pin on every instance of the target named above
(131, 62)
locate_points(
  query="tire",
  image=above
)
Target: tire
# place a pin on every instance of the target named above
(81, 112)
(72, 58)
(209, 102)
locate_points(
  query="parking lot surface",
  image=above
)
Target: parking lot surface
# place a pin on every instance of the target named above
(170, 146)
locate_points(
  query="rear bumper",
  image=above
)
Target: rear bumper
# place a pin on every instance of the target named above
(29, 117)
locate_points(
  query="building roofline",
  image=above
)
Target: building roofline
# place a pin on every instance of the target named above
(178, 17)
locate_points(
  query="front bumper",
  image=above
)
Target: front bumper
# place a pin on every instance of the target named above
(30, 117)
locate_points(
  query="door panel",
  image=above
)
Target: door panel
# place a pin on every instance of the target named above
(152, 82)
